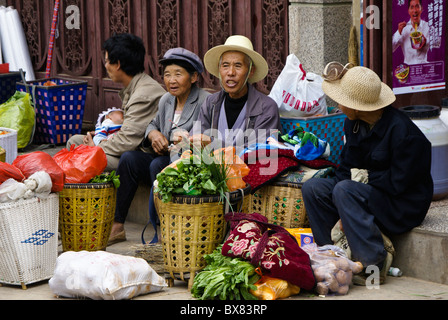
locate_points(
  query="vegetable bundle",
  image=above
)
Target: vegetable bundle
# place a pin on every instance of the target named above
(225, 278)
(193, 177)
(107, 177)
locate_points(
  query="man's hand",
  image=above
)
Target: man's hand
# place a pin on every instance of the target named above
(401, 26)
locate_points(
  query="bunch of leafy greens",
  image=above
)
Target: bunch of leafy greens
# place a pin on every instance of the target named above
(193, 177)
(107, 177)
(225, 278)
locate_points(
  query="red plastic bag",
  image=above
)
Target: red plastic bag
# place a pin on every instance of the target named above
(8, 171)
(37, 161)
(82, 163)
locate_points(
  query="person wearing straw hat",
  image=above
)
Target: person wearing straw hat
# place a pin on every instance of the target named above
(238, 108)
(383, 185)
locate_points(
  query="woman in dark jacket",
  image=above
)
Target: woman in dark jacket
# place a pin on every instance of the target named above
(383, 185)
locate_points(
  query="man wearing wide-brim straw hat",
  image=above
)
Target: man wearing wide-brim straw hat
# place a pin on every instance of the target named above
(238, 107)
(383, 185)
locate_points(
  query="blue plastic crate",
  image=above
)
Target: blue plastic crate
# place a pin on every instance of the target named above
(59, 108)
(329, 128)
(8, 85)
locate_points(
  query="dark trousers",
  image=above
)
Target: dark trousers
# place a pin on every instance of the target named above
(135, 167)
(327, 201)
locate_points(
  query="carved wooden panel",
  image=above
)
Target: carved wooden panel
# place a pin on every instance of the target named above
(196, 25)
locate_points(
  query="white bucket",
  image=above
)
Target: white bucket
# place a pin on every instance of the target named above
(9, 143)
(427, 118)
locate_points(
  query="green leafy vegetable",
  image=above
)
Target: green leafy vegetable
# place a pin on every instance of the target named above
(225, 278)
(194, 176)
(107, 177)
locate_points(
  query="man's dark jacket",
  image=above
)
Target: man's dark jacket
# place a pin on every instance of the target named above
(397, 156)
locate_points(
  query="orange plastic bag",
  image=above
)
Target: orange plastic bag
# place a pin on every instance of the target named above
(237, 168)
(8, 171)
(37, 161)
(82, 163)
(269, 288)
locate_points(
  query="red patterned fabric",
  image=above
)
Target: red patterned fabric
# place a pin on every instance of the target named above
(265, 165)
(269, 246)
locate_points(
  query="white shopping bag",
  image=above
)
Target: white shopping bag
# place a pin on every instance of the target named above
(297, 93)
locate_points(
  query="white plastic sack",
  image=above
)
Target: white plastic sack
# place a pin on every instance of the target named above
(37, 185)
(101, 275)
(297, 93)
(40, 183)
(12, 190)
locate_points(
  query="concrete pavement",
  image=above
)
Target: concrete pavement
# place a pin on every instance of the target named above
(395, 288)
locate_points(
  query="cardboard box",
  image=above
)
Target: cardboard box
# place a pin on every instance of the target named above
(303, 235)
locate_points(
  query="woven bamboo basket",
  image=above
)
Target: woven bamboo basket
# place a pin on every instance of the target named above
(28, 240)
(282, 203)
(191, 227)
(2, 155)
(86, 215)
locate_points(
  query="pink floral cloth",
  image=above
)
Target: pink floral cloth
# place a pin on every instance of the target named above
(271, 247)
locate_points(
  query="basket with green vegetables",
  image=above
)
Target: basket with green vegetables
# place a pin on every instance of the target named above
(193, 176)
(107, 177)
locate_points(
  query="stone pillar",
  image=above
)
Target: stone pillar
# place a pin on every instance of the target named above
(319, 32)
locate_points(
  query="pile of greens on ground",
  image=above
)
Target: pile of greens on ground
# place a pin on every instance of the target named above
(225, 278)
(193, 178)
(107, 177)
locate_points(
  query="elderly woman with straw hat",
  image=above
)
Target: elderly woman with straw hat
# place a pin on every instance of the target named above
(383, 185)
(238, 109)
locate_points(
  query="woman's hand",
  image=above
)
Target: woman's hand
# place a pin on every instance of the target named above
(200, 140)
(179, 136)
(158, 142)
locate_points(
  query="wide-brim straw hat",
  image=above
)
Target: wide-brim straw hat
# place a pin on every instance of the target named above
(241, 44)
(358, 88)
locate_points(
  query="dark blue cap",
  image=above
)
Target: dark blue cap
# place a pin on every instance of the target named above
(184, 55)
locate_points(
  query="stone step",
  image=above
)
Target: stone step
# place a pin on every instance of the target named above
(422, 253)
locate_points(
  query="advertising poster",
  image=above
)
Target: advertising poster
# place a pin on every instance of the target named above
(418, 44)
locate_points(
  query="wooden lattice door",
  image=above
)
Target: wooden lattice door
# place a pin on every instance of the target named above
(162, 24)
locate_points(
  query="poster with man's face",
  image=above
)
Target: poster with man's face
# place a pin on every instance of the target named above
(418, 45)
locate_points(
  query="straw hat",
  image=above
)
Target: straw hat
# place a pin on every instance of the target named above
(241, 44)
(357, 88)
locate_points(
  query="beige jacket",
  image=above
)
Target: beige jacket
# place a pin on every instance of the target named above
(140, 105)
